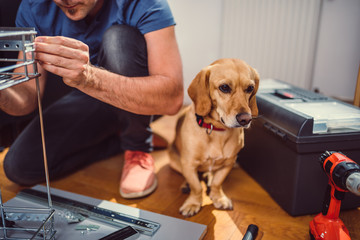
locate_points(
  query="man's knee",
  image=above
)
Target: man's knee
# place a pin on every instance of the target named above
(17, 170)
(123, 32)
(123, 51)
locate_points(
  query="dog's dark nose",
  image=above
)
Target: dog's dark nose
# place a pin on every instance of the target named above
(243, 118)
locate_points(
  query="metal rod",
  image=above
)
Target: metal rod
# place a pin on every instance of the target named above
(29, 209)
(42, 136)
(17, 33)
(2, 215)
(12, 67)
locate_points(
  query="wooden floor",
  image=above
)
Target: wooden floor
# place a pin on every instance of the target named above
(252, 205)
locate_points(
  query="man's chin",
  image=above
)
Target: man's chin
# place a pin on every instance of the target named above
(74, 15)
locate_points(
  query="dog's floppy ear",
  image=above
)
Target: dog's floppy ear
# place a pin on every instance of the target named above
(199, 92)
(252, 101)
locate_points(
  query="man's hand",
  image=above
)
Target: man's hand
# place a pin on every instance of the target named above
(159, 93)
(66, 57)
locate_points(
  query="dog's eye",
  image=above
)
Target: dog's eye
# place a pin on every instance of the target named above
(250, 89)
(225, 88)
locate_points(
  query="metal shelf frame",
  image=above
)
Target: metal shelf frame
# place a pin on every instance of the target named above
(13, 219)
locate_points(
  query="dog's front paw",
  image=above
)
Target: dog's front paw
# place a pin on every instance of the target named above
(222, 202)
(190, 207)
(189, 210)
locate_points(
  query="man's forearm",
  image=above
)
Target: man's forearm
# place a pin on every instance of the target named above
(142, 95)
(18, 100)
(21, 99)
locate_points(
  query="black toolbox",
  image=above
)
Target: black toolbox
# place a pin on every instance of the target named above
(284, 144)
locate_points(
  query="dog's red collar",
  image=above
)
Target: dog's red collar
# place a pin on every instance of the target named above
(200, 121)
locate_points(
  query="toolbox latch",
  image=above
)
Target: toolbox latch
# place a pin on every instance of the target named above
(275, 131)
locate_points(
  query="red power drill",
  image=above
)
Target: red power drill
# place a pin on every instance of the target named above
(344, 175)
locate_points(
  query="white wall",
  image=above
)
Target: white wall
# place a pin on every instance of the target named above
(338, 53)
(198, 24)
(199, 28)
(277, 37)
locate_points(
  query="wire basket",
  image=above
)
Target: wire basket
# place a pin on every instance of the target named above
(23, 222)
(27, 223)
(17, 40)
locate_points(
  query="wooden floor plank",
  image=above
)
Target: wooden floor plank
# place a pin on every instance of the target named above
(252, 204)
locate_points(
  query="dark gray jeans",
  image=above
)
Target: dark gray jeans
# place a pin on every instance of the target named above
(80, 129)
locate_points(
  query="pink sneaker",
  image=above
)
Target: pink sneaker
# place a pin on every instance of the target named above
(138, 177)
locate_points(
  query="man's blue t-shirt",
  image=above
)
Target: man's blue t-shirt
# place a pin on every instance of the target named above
(50, 20)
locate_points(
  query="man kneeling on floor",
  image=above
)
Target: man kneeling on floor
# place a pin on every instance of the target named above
(122, 60)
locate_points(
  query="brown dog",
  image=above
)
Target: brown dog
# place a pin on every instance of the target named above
(210, 132)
